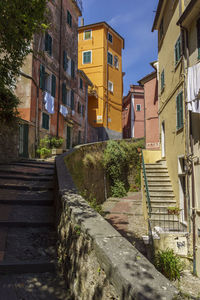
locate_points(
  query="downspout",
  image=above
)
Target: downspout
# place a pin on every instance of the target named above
(86, 116)
(36, 108)
(107, 81)
(144, 117)
(188, 121)
(132, 116)
(59, 78)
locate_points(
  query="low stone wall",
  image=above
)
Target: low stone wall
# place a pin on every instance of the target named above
(97, 262)
(9, 144)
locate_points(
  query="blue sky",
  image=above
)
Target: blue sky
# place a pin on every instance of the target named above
(133, 20)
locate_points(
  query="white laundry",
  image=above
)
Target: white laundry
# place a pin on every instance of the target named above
(49, 103)
(193, 88)
(63, 110)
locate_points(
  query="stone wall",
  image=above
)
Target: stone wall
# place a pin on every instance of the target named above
(9, 143)
(97, 262)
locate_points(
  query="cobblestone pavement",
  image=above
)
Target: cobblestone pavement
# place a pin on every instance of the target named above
(27, 233)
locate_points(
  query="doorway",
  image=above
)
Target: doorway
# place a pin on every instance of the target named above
(23, 140)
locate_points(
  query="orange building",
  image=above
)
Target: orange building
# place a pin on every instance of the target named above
(100, 57)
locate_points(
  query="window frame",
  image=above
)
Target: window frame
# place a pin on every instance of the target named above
(117, 59)
(178, 50)
(48, 127)
(138, 105)
(112, 86)
(111, 55)
(85, 63)
(48, 44)
(110, 35)
(179, 111)
(89, 30)
(69, 18)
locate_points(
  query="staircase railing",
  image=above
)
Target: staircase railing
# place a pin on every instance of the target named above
(146, 187)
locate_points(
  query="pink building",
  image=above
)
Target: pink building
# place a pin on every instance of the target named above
(150, 85)
(133, 113)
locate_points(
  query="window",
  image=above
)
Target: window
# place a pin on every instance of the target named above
(116, 62)
(45, 121)
(66, 96)
(87, 57)
(83, 111)
(79, 108)
(65, 61)
(138, 107)
(87, 34)
(47, 81)
(110, 58)
(72, 100)
(177, 50)
(161, 29)
(53, 85)
(81, 83)
(72, 68)
(69, 19)
(110, 38)
(179, 111)
(162, 80)
(198, 37)
(48, 44)
(110, 86)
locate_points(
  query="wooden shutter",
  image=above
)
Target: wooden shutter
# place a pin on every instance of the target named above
(198, 37)
(50, 45)
(42, 77)
(72, 99)
(64, 60)
(53, 85)
(46, 41)
(72, 69)
(64, 94)
(179, 110)
(45, 121)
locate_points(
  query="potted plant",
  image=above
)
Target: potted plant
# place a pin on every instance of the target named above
(173, 210)
(55, 144)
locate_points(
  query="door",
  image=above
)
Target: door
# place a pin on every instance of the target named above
(163, 139)
(68, 139)
(23, 140)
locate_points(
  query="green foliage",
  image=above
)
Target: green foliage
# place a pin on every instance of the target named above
(56, 142)
(45, 142)
(97, 207)
(119, 160)
(44, 152)
(169, 264)
(19, 20)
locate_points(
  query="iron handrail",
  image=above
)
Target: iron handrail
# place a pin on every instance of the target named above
(146, 186)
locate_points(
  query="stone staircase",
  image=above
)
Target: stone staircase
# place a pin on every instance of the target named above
(161, 197)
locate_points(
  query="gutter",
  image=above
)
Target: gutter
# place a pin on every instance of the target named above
(59, 78)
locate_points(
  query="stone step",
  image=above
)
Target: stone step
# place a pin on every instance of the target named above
(161, 209)
(27, 202)
(157, 175)
(33, 245)
(163, 189)
(11, 176)
(163, 202)
(26, 267)
(159, 184)
(155, 166)
(161, 194)
(23, 172)
(25, 195)
(20, 216)
(33, 165)
(24, 185)
(37, 161)
(159, 179)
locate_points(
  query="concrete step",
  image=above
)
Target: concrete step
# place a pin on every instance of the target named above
(27, 202)
(159, 179)
(4, 175)
(36, 161)
(25, 185)
(25, 172)
(161, 209)
(33, 165)
(159, 184)
(163, 202)
(157, 175)
(163, 189)
(20, 216)
(161, 194)
(26, 267)
(155, 167)
(26, 195)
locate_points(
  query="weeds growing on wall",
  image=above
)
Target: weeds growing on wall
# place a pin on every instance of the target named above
(119, 160)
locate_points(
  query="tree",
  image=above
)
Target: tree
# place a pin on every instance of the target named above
(19, 20)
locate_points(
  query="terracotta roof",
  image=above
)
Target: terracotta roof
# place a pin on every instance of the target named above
(145, 78)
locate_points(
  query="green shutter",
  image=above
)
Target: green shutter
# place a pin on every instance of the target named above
(64, 60)
(72, 69)
(162, 80)
(69, 18)
(53, 85)
(179, 110)
(198, 37)
(72, 99)
(42, 77)
(64, 94)
(46, 41)
(45, 121)
(50, 46)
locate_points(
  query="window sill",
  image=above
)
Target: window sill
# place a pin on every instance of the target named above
(162, 90)
(179, 130)
(178, 63)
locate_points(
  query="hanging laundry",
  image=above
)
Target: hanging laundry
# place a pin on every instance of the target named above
(63, 110)
(193, 88)
(49, 103)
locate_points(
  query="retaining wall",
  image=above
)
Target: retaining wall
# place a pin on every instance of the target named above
(9, 144)
(97, 262)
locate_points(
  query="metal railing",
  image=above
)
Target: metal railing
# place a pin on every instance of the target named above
(146, 187)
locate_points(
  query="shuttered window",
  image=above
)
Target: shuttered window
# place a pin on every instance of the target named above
(48, 43)
(177, 50)
(81, 83)
(64, 94)
(69, 19)
(110, 58)
(72, 69)
(79, 108)
(53, 85)
(72, 100)
(45, 121)
(42, 77)
(65, 60)
(162, 80)
(87, 57)
(179, 110)
(198, 37)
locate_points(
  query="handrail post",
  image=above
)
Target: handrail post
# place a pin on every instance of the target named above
(146, 187)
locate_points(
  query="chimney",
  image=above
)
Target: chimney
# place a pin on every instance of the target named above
(82, 21)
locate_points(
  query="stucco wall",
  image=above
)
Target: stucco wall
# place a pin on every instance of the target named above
(97, 262)
(9, 144)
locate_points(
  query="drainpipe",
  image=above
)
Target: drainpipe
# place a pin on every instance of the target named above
(132, 116)
(188, 125)
(86, 116)
(60, 56)
(36, 109)
(107, 82)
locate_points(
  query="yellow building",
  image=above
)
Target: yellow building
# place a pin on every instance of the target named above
(100, 57)
(178, 25)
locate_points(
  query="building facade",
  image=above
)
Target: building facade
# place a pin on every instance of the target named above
(151, 122)
(48, 85)
(100, 57)
(133, 113)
